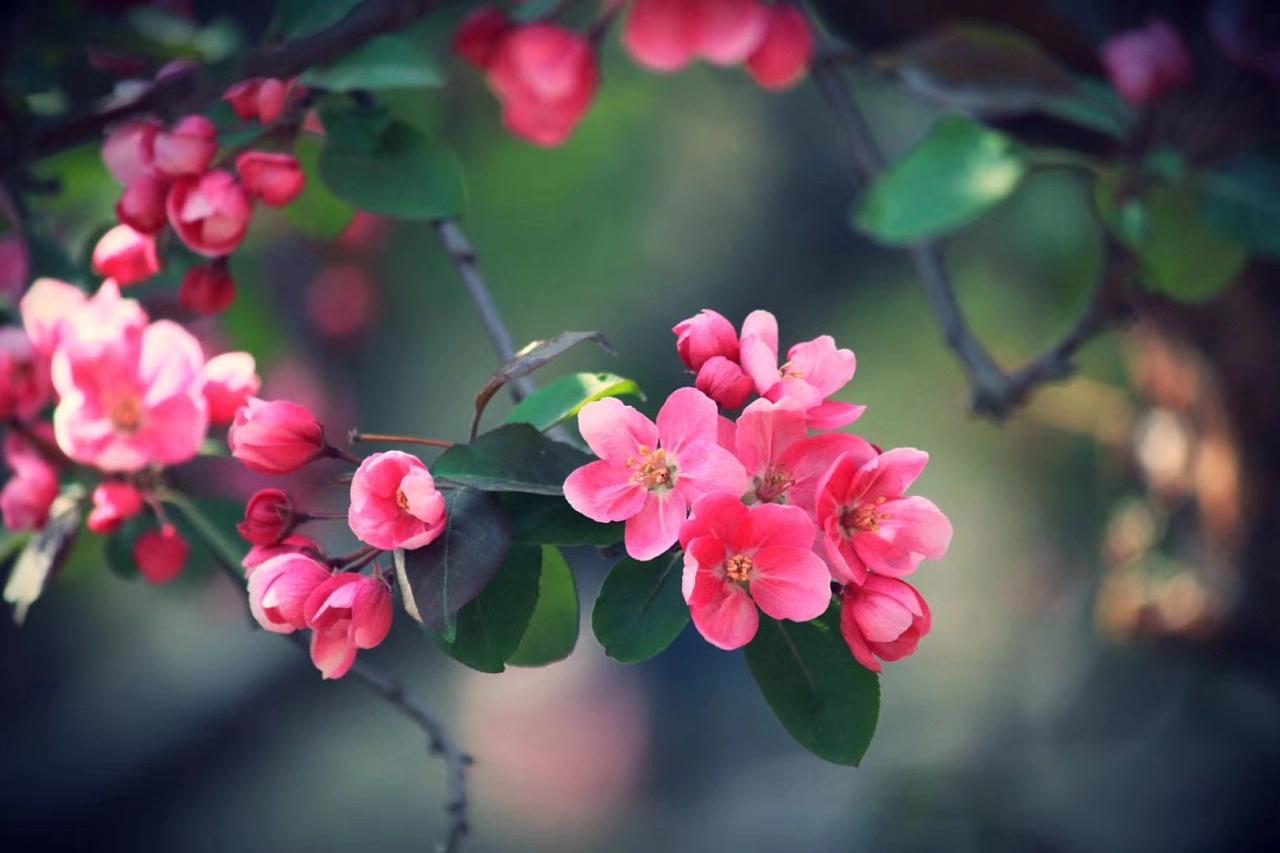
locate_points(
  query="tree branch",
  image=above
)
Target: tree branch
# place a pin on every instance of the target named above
(995, 392)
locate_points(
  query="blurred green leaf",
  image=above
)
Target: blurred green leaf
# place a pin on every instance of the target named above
(640, 610)
(1093, 104)
(547, 520)
(317, 212)
(1241, 201)
(533, 10)
(823, 697)
(299, 18)
(117, 548)
(511, 458)
(553, 628)
(491, 626)
(957, 173)
(388, 62)
(565, 397)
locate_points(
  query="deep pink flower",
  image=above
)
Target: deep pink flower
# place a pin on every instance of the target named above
(275, 437)
(27, 496)
(210, 213)
(347, 612)
(703, 336)
(207, 289)
(129, 151)
(25, 387)
(546, 77)
(161, 554)
(187, 149)
(268, 517)
(649, 475)
(395, 503)
(114, 503)
(126, 255)
(884, 618)
(737, 557)
(276, 179)
(272, 96)
(666, 35)
(229, 380)
(1146, 62)
(782, 58)
(141, 207)
(243, 97)
(480, 34)
(292, 544)
(868, 524)
(724, 381)
(45, 307)
(279, 587)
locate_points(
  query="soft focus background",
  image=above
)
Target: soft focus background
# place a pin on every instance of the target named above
(1064, 702)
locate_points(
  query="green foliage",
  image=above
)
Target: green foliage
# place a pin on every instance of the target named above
(565, 397)
(956, 174)
(553, 628)
(640, 610)
(530, 358)
(547, 520)
(1241, 201)
(821, 694)
(511, 458)
(317, 212)
(389, 62)
(491, 626)
(296, 19)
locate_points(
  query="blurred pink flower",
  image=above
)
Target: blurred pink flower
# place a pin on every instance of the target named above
(126, 255)
(25, 387)
(546, 77)
(479, 35)
(187, 149)
(276, 179)
(27, 496)
(229, 381)
(341, 301)
(207, 289)
(15, 266)
(1146, 62)
(210, 214)
(161, 554)
(782, 58)
(141, 207)
(46, 307)
(114, 502)
(129, 152)
(666, 35)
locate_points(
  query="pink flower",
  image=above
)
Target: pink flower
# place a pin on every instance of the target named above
(114, 503)
(129, 151)
(737, 557)
(126, 255)
(130, 395)
(813, 372)
(24, 376)
(45, 308)
(869, 525)
(704, 336)
(279, 587)
(666, 35)
(142, 205)
(395, 503)
(277, 179)
(161, 554)
(723, 381)
(292, 544)
(783, 461)
(268, 517)
(546, 77)
(649, 475)
(230, 380)
(884, 618)
(347, 612)
(187, 149)
(271, 97)
(275, 437)
(27, 496)
(207, 289)
(480, 34)
(782, 58)
(210, 214)
(1146, 62)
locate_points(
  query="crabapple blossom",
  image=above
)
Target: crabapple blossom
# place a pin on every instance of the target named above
(703, 336)
(230, 379)
(724, 381)
(648, 474)
(129, 152)
(114, 502)
(126, 255)
(275, 437)
(27, 496)
(1146, 62)
(279, 587)
(276, 179)
(291, 544)
(261, 98)
(25, 386)
(209, 213)
(395, 502)
(161, 554)
(883, 619)
(479, 35)
(268, 517)
(783, 55)
(141, 207)
(666, 35)
(45, 308)
(187, 149)
(207, 289)
(345, 613)
(546, 77)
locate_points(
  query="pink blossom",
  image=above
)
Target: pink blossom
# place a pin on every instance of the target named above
(25, 387)
(395, 503)
(161, 554)
(868, 524)
(268, 517)
(1146, 62)
(210, 214)
(342, 301)
(275, 437)
(737, 557)
(271, 97)
(207, 289)
(649, 475)
(27, 496)
(114, 502)
(45, 307)
(187, 149)
(276, 179)
(666, 35)
(782, 58)
(291, 544)
(347, 612)
(129, 151)
(279, 587)
(724, 381)
(480, 34)
(229, 381)
(546, 77)
(126, 255)
(141, 207)
(703, 336)
(884, 618)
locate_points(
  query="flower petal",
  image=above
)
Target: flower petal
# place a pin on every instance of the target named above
(603, 491)
(656, 527)
(687, 417)
(614, 431)
(790, 583)
(728, 620)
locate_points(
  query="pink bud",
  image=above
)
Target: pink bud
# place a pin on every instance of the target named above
(188, 149)
(1146, 62)
(210, 214)
(725, 382)
(268, 517)
(395, 502)
(292, 544)
(347, 612)
(161, 554)
(271, 100)
(26, 498)
(729, 30)
(884, 618)
(142, 205)
(275, 437)
(126, 255)
(279, 588)
(277, 179)
(230, 380)
(480, 34)
(782, 58)
(703, 336)
(243, 97)
(546, 77)
(129, 151)
(207, 289)
(114, 503)
(25, 386)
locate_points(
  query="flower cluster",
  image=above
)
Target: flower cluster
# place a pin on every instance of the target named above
(773, 508)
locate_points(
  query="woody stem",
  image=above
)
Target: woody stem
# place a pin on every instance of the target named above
(356, 436)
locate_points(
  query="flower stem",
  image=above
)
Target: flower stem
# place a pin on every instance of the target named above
(338, 453)
(356, 436)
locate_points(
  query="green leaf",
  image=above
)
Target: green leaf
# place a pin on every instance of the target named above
(1094, 105)
(565, 397)
(403, 173)
(546, 520)
(956, 174)
(492, 625)
(117, 550)
(388, 62)
(511, 458)
(529, 359)
(823, 697)
(440, 579)
(317, 212)
(553, 628)
(640, 610)
(43, 554)
(534, 10)
(1241, 201)
(298, 18)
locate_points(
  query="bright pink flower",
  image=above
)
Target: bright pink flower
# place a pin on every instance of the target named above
(207, 289)
(243, 97)
(161, 554)
(347, 612)
(341, 301)
(277, 179)
(279, 587)
(704, 336)
(782, 460)
(724, 381)
(666, 35)
(884, 618)
(210, 213)
(126, 255)
(268, 517)
(275, 437)
(868, 525)
(395, 503)
(187, 149)
(230, 380)
(129, 151)
(27, 496)
(271, 97)
(1146, 62)
(480, 34)
(15, 266)
(114, 503)
(24, 376)
(292, 544)
(545, 76)
(813, 372)
(782, 58)
(649, 475)
(142, 205)
(737, 557)
(88, 327)
(45, 308)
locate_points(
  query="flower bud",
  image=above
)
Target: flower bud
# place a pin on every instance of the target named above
(141, 207)
(782, 58)
(271, 97)
(25, 386)
(884, 618)
(395, 503)
(279, 588)
(725, 382)
(292, 544)
(187, 149)
(480, 34)
(268, 517)
(275, 437)
(1146, 62)
(346, 613)
(130, 150)
(230, 380)
(703, 336)
(161, 554)
(207, 289)
(126, 255)
(243, 97)
(546, 77)
(277, 179)
(114, 503)
(27, 496)
(210, 214)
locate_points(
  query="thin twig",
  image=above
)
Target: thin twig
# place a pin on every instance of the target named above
(355, 436)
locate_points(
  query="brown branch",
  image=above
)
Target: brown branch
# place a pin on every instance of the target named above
(996, 393)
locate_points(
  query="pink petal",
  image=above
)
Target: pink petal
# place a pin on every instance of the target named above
(760, 361)
(656, 527)
(706, 468)
(603, 491)
(822, 365)
(881, 618)
(885, 557)
(844, 562)
(332, 653)
(916, 524)
(834, 415)
(730, 30)
(722, 516)
(894, 472)
(728, 620)
(765, 431)
(688, 417)
(807, 461)
(371, 614)
(777, 525)
(703, 563)
(614, 431)
(790, 583)
(658, 34)
(853, 635)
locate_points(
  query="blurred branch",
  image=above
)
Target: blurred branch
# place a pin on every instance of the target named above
(996, 393)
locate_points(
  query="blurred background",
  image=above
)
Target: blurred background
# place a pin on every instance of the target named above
(1086, 686)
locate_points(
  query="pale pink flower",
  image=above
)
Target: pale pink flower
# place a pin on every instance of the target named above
(114, 503)
(294, 543)
(209, 213)
(161, 554)
(126, 255)
(884, 618)
(737, 557)
(45, 307)
(279, 587)
(275, 437)
(229, 380)
(395, 502)
(25, 387)
(347, 612)
(648, 474)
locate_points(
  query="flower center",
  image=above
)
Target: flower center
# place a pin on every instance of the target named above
(789, 371)
(773, 486)
(402, 500)
(124, 409)
(738, 569)
(863, 518)
(652, 469)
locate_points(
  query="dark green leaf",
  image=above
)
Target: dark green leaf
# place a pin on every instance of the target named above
(491, 626)
(553, 628)
(43, 555)
(565, 397)
(511, 458)
(1241, 201)
(824, 698)
(533, 10)
(317, 212)
(547, 520)
(437, 581)
(389, 62)
(955, 175)
(640, 610)
(298, 18)
(1094, 105)
(117, 550)
(529, 359)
